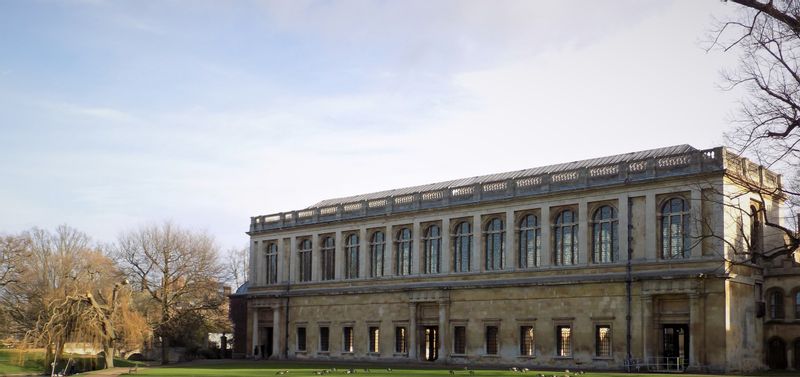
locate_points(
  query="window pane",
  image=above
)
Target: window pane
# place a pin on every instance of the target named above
(491, 340)
(324, 339)
(374, 339)
(526, 340)
(564, 346)
(603, 341)
(460, 340)
(301, 338)
(400, 339)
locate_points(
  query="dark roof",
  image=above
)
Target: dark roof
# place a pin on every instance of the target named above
(626, 157)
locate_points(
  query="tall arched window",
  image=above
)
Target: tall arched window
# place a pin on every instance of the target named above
(271, 254)
(462, 242)
(377, 246)
(565, 238)
(304, 260)
(495, 240)
(675, 229)
(351, 245)
(404, 252)
(775, 297)
(328, 258)
(529, 241)
(604, 235)
(433, 246)
(797, 304)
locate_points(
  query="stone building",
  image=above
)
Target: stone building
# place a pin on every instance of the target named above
(586, 264)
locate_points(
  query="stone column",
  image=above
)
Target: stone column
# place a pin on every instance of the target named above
(276, 332)
(253, 268)
(696, 217)
(416, 249)
(476, 259)
(256, 339)
(444, 254)
(412, 331)
(443, 331)
(281, 262)
(651, 227)
(647, 326)
(584, 252)
(294, 263)
(363, 253)
(546, 258)
(696, 334)
(389, 257)
(338, 256)
(510, 258)
(316, 258)
(622, 217)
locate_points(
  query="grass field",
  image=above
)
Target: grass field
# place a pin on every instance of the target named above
(248, 368)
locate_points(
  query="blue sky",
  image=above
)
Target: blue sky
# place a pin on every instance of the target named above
(115, 114)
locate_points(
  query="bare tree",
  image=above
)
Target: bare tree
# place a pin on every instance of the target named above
(179, 271)
(766, 35)
(236, 265)
(12, 250)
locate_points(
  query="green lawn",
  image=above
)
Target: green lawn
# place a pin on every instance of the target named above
(10, 362)
(248, 368)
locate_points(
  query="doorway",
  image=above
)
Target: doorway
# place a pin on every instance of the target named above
(266, 342)
(776, 354)
(675, 354)
(430, 343)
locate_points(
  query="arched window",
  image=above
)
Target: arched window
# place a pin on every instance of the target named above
(565, 238)
(604, 235)
(775, 297)
(529, 241)
(463, 247)
(328, 258)
(433, 246)
(271, 254)
(675, 229)
(377, 246)
(494, 235)
(797, 303)
(351, 245)
(404, 252)
(776, 353)
(304, 260)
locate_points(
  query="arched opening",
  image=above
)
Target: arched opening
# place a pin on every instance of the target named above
(776, 353)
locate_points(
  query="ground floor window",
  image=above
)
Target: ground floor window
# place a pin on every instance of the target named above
(602, 341)
(460, 340)
(301, 338)
(491, 340)
(324, 339)
(400, 340)
(564, 337)
(347, 336)
(526, 340)
(374, 339)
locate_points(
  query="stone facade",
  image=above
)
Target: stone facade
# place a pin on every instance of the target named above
(591, 264)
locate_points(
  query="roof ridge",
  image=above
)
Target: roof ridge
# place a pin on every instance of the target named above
(552, 168)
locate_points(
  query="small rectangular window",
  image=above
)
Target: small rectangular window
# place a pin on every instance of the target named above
(564, 337)
(491, 340)
(460, 340)
(324, 339)
(347, 335)
(374, 339)
(526, 340)
(301, 338)
(400, 340)
(602, 341)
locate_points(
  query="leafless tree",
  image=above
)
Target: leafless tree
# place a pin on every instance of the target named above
(12, 249)
(179, 271)
(236, 265)
(766, 36)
